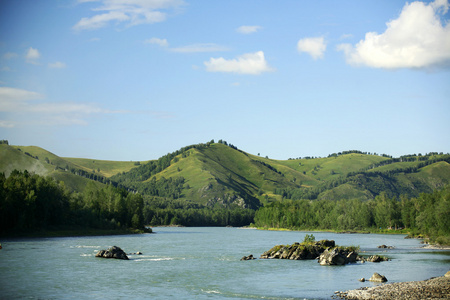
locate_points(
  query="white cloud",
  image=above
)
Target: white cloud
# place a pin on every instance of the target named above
(250, 63)
(195, 48)
(57, 65)
(133, 12)
(32, 56)
(315, 46)
(248, 29)
(157, 41)
(416, 39)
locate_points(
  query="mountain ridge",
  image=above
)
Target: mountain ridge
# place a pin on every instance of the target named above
(219, 175)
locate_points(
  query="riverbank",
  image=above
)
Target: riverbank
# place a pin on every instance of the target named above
(73, 233)
(442, 243)
(434, 288)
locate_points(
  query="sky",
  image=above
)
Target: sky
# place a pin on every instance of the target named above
(137, 79)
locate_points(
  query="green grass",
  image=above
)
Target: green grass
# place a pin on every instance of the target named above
(107, 168)
(333, 167)
(12, 159)
(346, 191)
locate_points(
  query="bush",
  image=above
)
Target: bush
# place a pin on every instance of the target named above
(309, 239)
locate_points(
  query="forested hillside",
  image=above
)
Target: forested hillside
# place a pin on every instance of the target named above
(219, 184)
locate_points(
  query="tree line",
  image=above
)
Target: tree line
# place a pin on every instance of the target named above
(426, 214)
(29, 202)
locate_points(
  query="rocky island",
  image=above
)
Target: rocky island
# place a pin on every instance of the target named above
(325, 251)
(113, 252)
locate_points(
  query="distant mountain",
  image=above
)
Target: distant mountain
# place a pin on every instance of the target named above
(219, 175)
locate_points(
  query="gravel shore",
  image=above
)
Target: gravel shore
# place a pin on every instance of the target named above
(434, 288)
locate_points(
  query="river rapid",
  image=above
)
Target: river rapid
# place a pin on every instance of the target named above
(201, 263)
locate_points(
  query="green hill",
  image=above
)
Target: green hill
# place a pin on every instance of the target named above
(218, 175)
(76, 173)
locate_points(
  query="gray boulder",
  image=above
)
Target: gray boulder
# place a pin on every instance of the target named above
(113, 252)
(334, 257)
(378, 278)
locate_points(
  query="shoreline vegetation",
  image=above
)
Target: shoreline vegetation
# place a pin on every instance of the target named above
(426, 242)
(433, 288)
(74, 232)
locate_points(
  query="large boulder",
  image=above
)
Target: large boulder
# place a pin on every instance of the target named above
(332, 257)
(337, 257)
(378, 278)
(113, 252)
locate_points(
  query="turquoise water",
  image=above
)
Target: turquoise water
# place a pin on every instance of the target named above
(200, 263)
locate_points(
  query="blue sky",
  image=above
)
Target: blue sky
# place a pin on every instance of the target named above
(136, 79)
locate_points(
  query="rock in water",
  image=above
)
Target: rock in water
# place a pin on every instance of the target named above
(378, 278)
(332, 257)
(377, 258)
(250, 257)
(113, 252)
(337, 257)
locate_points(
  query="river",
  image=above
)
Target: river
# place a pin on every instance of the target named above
(200, 263)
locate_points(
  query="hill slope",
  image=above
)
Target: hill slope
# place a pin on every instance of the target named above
(218, 175)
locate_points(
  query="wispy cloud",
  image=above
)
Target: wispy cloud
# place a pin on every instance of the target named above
(248, 29)
(18, 101)
(416, 39)
(32, 56)
(6, 124)
(157, 41)
(314, 46)
(57, 65)
(130, 12)
(194, 48)
(10, 55)
(250, 63)
(8, 94)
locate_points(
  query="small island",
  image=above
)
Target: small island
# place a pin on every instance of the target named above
(325, 251)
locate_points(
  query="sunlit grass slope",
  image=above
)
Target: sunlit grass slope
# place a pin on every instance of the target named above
(33, 160)
(106, 168)
(13, 159)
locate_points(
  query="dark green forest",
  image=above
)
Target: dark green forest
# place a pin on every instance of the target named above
(426, 215)
(31, 203)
